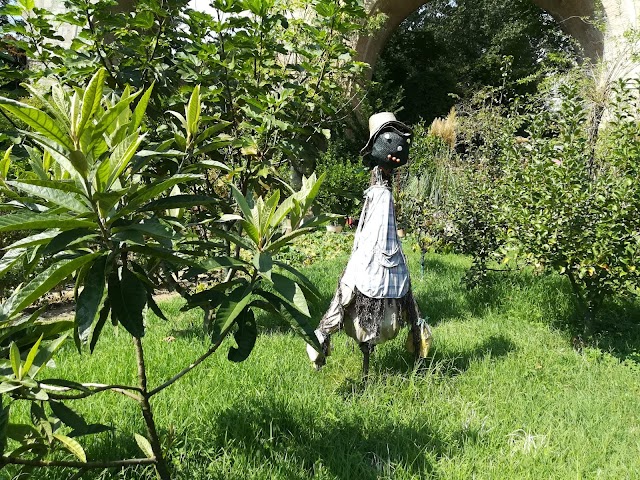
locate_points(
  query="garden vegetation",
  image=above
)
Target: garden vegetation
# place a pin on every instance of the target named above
(166, 148)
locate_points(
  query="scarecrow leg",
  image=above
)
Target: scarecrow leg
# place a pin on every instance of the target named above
(415, 328)
(415, 333)
(366, 349)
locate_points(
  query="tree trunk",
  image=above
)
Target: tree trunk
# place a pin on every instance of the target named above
(147, 413)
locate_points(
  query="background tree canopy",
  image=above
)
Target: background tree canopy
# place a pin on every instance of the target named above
(447, 50)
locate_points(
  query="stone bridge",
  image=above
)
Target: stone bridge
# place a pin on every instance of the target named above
(579, 18)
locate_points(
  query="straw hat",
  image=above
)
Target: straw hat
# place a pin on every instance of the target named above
(381, 121)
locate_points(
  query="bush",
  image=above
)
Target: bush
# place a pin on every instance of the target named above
(571, 199)
(425, 191)
(345, 181)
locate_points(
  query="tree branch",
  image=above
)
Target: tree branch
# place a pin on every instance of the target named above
(84, 465)
(103, 59)
(186, 370)
(122, 389)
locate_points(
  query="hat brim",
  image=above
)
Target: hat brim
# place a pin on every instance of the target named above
(399, 127)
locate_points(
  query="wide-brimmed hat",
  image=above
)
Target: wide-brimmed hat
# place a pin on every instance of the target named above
(381, 121)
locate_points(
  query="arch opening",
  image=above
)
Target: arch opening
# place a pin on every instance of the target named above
(444, 51)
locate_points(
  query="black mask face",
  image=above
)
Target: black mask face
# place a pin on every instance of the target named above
(390, 142)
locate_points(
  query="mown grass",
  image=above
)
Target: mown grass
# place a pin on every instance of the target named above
(504, 395)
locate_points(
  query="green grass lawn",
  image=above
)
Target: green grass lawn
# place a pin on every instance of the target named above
(503, 395)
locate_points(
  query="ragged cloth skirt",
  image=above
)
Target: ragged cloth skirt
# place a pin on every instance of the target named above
(365, 319)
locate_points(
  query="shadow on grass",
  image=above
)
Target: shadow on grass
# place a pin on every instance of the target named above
(191, 332)
(274, 433)
(441, 361)
(616, 329)
(442, 296)
(449, 298)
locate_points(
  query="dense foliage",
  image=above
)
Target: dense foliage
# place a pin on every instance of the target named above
(446, 51)
(542, 183)
(345, 181)
(273, 79)
(571, 196)
(154, 150)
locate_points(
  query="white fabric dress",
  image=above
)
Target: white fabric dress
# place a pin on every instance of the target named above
(377, 269)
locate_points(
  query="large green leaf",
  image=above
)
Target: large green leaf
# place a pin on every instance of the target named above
(53, 194)
(245, 337)
(221, 125)
(91, 298)
(72, 445)
(107, 120)
(62, 185)
(300, 278)
(299, 322)
(232, 237)
(263, 263)
(151, 227)
(14, 356)
(61, 157)
(267, 212)
(128, 297)
(151, 303)
(291, 292)
(243, 204)
(68, 416)
(108, 200)
(97, 328)
(310, 189)
(144, 445)
(151, 191)
(113, 166)
(38, 120)
(193, 112)
(60, 114)
(31, 356)
(79, 162)
(122, 155)
(60, 103)
(91, 100)
(39, 221)
(275, 246)
(68, 239)
(41, 284)
(229, 310)
(10, 259)
(252, 231)
(45, 353)
(141, 108)
(5, 163)
(37, 239)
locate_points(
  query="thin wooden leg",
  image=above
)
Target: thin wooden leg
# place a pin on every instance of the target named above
(366, 355)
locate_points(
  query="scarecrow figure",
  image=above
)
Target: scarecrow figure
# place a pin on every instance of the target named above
(374, 298)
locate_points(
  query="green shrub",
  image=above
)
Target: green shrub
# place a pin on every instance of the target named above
(346, 179)
(571, 199)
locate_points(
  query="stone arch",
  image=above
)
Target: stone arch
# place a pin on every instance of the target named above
(579, 18)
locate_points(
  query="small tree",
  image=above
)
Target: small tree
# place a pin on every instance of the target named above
(571, 197)
(100, 214)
